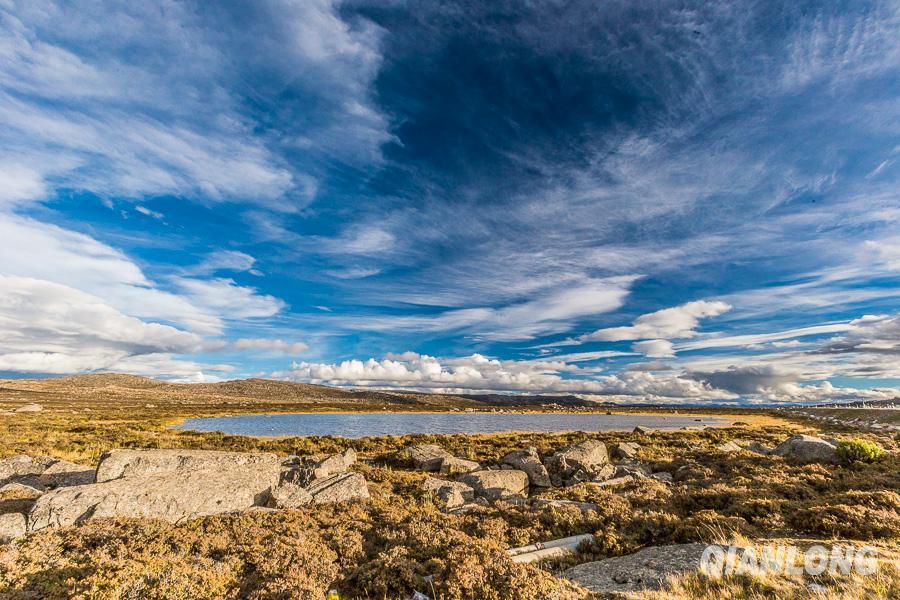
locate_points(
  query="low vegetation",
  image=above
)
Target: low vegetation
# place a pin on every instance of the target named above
(401, 541)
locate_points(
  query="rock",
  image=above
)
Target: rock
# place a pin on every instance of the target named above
(663, 476)
(29, 408)
(578, 462)
(302, 471)
(635, 469)
(12, 526)
(605, 472)
(759, 448)
(728, 447)
(175, 496)
(289, 495)
(645, 569)
(457, 466)
(642, 430)
(337, 463)
(24, 469)
(582, 506)
(344, 487)
(495, 485)
(18, 497)
(627, 450)
(426, 457)
(616, 481)
(454, 494)
(740, 424)
(130, 463)
(806, 449)
(64, 473)
(528, 460)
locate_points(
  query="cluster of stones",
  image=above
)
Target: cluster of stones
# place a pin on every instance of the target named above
(175, 485)
(524, 471)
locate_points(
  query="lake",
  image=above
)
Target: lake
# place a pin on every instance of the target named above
(357, 425)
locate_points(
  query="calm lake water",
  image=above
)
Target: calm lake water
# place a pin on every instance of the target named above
(357, 425)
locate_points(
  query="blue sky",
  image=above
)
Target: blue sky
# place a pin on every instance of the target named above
(663, 201)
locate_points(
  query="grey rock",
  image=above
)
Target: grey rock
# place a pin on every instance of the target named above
(344, 487)
(457, 466)
(12, 526)
(529, 461)
(130, 463)
(806, 449)
(627, 450)
(28, 408)
(582, 506)
(454, 494)
(495, 485)
(18, 497)
(64, 473)
(289, 495)
(578, 462)
(24, 469)
(645, 569)
(175, 496)
(337, 463)
(616, 481)
(426, 457)
(642, 430)
(605, 472)
(728, 447)
(759, 448)
(663, 476)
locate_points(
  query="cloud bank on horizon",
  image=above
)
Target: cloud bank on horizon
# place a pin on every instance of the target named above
(670, 202)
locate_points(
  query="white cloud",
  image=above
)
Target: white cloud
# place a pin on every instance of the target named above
(267, 344)
(553, 311)
(654, 348)
(669, 323)
(760, 338)
(223, 297)
(52, 328)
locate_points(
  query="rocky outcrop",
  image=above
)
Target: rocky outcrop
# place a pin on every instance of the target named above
(289, 496)
(426, 457)
(303, 470)
(174, 496)
(807, 449)
(528, 460)
(63, 473)
(645, 569)
(130, 463)
(452, 493)
(24, 469)
(12, 526)
(497, 484)
(337, 463)
(577, 463)
(339, 488)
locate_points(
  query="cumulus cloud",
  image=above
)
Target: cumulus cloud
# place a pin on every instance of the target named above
(869, 335)
(655, 348)
(669, 323)
(480, 373)
(51, 328)
(267, 344)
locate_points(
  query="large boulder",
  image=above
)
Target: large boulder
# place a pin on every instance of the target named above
(626, 450)
(344, 487)
(453, 493)
(12, 526)
(131, 463)
(64, 473)
(807, 449)
(497, 484)
(24, 469)
(425, 457)
(577, 463)
(529, 461)
(18, 497)
(175, 496)
(645, 569)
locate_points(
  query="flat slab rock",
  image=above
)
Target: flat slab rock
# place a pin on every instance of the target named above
(344, 487)
(12, 526)
(497, 484)
(128, 463)
(645, 569)
(426, 457)
(174, 497)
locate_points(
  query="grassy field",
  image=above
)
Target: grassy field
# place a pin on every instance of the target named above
(400, 540)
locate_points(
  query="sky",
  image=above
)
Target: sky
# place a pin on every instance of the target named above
(675, 202)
